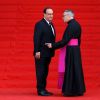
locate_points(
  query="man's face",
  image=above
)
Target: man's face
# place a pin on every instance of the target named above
(49, 15)
(66, 17)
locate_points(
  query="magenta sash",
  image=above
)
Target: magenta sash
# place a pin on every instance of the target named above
(61, 66)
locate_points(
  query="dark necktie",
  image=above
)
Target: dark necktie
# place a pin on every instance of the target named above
(52, 28)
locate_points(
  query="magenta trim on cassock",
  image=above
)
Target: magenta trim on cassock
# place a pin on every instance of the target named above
(61, 66)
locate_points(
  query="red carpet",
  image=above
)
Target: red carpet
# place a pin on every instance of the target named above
(17, 69)
(30, 94)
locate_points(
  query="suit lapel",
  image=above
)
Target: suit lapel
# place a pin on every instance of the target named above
(49, 27)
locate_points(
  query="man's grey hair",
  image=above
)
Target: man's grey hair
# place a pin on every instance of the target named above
(69, 12)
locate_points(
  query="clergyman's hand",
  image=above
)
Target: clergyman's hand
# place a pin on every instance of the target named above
(49, 45)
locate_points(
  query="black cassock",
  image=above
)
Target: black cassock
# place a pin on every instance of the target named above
(73, 78)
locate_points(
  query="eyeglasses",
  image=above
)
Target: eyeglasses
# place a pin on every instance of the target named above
(64, 15)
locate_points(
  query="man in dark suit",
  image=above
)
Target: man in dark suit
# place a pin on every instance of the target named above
(44, 32)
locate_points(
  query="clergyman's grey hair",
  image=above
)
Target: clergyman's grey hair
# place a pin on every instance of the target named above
(70, 13)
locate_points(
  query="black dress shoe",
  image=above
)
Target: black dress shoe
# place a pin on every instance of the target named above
(44, 93)
(48, 92)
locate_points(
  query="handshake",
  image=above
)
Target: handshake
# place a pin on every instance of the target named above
(49, 45)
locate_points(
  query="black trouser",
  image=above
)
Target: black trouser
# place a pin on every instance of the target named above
(42, 68)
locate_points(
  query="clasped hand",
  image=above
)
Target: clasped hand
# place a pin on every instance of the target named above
(49, 45)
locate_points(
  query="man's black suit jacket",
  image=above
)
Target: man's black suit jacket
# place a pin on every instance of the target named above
(43, 34)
